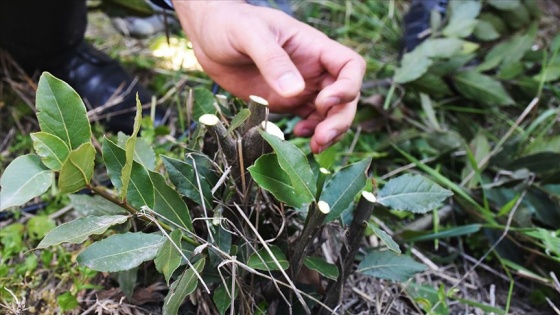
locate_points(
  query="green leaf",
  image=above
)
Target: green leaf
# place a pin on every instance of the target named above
(266, 262)
(94, 205)
(505, 4)
(460, 28)
(184, 177)
(61, 111)
(487, 309)
(141, 189)
(327, 158)
(464, 9)
(413, 193)
(203, 103)
(511, 71)
(24, 179)
(204, 166)
(52, 150)
(329, 271)
(550, 240)
(239, 119)
(181, 288)
(222, 239)
(428, 108)
(143, 152)
(121, 251)
(448, 233)
(545, 208)
(497, 22)
(168, 203)
(549, 73)
(485, 30)
(462, 21)
(77, 231)
(67, 301)
(127, 281)
(541, 163)
(77, 170)
(494, 57)
(38, 226)
(390, 266)
(342, 188)
(413, 65)
(432, 84)
(386, 239)
(510, 51)
(168, 259)
(222, 297)
(295, 164)
(478, 149)
(520, 44)
(441, 47)
(129, 148)
(482, 88)
(133, 8)
(268, 174)
(428, 298)
(544, 143)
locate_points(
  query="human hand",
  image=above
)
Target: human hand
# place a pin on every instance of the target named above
(250, 50)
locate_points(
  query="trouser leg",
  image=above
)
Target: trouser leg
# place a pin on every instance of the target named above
(48, 35)
(40, 34)
(417, 20)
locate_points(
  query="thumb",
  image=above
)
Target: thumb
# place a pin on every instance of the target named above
(273, 63)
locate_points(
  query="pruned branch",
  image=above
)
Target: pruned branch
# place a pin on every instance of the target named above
(258, 107)
(348, 253)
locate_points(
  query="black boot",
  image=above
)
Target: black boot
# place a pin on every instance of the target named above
(46, 35)
(417, 20)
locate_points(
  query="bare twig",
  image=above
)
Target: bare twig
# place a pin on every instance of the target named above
(348, 253)
(160, 227)
(267, 248)
(224, 140)
(315, 218)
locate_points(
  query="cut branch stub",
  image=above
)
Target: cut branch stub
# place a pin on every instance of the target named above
(323, 207)
(222, 100)
(356, 232)
(258, 107)
(254, 145)
(272, 129)
(219, 133)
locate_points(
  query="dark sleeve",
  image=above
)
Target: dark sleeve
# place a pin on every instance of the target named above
(164, 4)
(283, 5)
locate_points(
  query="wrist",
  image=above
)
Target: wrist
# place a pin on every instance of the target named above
(193, 13)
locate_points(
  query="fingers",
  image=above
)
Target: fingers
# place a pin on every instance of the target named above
(273, 62)
(348, 68)
(327, 130)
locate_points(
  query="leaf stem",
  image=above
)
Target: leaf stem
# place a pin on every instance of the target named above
(123, 204)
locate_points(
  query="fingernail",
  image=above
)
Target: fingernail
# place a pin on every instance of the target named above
(290, 83)
(331, 135)
(331, 101)
(305, 132)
